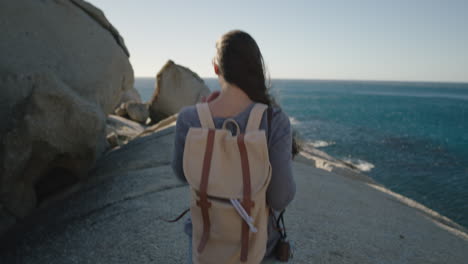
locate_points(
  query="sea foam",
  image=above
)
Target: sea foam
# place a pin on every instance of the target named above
(319, 144)
(361, 165)
(293, 121)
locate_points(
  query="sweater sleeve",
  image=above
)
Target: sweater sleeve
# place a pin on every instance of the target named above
(282, 188)
(181, 130)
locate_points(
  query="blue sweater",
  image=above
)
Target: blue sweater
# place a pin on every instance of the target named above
(282, 187)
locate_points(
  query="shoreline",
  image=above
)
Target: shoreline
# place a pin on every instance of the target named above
(354, 174)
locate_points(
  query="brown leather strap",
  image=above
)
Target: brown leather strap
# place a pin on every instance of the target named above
(203, 203)
(247, 199)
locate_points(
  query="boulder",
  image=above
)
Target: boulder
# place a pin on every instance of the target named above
(121, 110)
(176, 87)
(131, 95)
(133, 110)
(54, 130)
(137, 111)
(63, 67)
(122, 129)
(113, 140)
(167, 122)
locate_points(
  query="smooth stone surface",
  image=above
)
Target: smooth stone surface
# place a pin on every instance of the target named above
(123, 126)
(137, 111)
(176, 87)
(142, 152)
(117, 218)
(63, 67)
(163, 124)
(131, 95)
(54, 129)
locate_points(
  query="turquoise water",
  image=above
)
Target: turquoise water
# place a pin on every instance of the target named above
(410, 137)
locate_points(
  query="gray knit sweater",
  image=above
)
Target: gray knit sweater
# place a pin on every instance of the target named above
(282, 187)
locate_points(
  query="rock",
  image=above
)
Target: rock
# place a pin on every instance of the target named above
(63, 67)
(137, 111)
(100, 18)
(134, 111)
(54, 128)
(321, 160)
(144, 151)
(167, 122)
(131, 95)
(121, 110)
(117, 217)
(331, 165)
(122, 128)
(176, 87)
(113, 140)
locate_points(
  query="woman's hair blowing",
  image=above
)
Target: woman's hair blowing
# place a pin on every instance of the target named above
(241, 63)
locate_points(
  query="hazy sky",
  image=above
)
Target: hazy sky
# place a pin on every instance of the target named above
(349, 39)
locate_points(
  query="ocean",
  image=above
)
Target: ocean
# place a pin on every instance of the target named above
(411, 137)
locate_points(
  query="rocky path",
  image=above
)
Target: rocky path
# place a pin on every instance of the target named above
(116, 218)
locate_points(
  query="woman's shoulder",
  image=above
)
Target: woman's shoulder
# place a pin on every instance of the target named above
(279, 119)
(187, 114)
(280, 127)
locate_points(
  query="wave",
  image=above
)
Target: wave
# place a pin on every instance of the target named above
(293, 121)
(319, 144)
(361, 165)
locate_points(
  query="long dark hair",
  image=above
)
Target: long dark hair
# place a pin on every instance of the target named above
(241, 63)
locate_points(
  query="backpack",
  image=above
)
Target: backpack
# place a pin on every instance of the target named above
(228, 177)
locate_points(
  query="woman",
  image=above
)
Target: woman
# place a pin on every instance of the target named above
(241, 73)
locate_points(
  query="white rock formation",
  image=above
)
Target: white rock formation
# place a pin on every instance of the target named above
(176, 87)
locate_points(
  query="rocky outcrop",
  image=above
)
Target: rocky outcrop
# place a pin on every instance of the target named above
(63, 67)
(53, 140)
(320, 160)
(137, 111)
(134, 111)
(100, 18)
(169, 121)
(120, 130)
(176, 87)
(118, 217)
(121, 110)
(131, 95)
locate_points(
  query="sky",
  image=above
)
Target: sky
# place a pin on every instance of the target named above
(397, 40)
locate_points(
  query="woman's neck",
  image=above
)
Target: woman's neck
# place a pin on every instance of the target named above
(230, 102)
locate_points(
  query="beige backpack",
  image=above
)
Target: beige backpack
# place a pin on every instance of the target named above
(228, 176)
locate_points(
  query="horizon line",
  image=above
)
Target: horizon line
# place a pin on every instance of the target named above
(345, 80)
